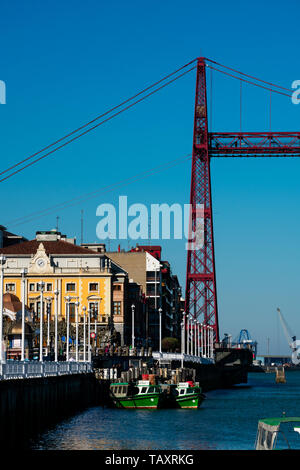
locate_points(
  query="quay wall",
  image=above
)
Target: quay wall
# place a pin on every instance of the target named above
(29, 406)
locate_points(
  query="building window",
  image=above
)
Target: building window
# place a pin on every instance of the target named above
(38, 286)
(117, 308)
(70, 287)
(10, 287)
(38, 309)
(116, 287)
(49, 287)
(151, 290)
(93, 286)
(72, 312)
(32, 287)
(94, 310)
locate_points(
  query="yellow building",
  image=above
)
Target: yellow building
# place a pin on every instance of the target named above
(71, 274)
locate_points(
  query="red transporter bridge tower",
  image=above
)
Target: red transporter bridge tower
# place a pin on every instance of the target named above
(201, 294)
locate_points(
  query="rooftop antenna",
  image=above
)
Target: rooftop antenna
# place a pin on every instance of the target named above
(57, 219)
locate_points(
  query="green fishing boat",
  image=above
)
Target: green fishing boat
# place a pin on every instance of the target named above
(182, 395)
(141, 395)
(188, 396)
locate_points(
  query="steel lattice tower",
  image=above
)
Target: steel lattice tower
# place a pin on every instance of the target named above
(201, 298)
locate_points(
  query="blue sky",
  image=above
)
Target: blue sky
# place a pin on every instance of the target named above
(66, 62)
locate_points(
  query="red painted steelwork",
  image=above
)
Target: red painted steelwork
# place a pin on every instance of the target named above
(201, 299)
(201, 295)
(254, 144)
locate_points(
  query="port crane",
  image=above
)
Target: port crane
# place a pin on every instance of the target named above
(293, 343)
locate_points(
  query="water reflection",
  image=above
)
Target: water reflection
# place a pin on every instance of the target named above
(227, 419)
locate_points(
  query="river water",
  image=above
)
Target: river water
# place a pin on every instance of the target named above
(226, 420)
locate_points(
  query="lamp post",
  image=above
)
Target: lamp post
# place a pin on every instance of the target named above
(23, 274)
(211, 341)
(183, 333)
(201, 339)
(89, 335)
(132, 325)
(67, 299)
(76, 319)
(41, 285)
(84, 333)
(188, 335)
(48, 311)
(95, 330)
(2, 262)
(192, 337)
(56, 292)
(182, 339)
(195, 337)
(160, 312)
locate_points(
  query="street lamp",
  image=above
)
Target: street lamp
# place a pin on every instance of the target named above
(2, 262)
(56, 292)
(23, 274)
(160, 312)
(84, 333)
(132, 325)
(183, 333)
(89, 335)
(76, 319)
(48, 311)
(182, 339)
(192, 340)
(201, 339)
(188, 335)
(196, 338)
(67, 299)
(41, 285)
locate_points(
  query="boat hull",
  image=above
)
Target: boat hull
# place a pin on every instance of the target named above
(150, 402)
(192, 402)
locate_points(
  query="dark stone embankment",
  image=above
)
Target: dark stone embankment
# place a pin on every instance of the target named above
(30, 406)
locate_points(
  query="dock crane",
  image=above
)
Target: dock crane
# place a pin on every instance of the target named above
(293, 343)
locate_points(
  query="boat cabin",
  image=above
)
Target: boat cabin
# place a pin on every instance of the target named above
(142, 387)
(270, 431)
(184, 389)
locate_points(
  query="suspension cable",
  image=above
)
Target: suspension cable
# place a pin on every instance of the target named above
(74, 201)
(249, 76)
(99, 117)
(248, 81)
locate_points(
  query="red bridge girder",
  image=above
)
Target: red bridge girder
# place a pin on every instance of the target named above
(254, 144)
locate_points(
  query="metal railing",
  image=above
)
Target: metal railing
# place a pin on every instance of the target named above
(31, 369)
(182, 357)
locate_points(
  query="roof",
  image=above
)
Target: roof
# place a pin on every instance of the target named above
(58, 247)
(278, 421)
(11, 302)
